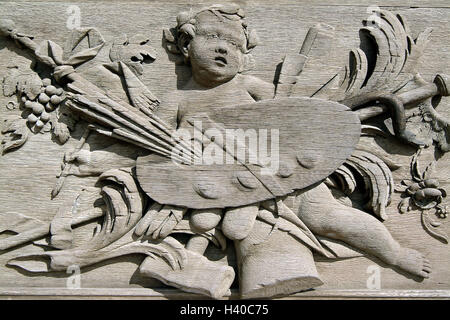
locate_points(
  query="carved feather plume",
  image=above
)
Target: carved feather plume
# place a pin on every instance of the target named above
(386, 60)
(118, 119)
(140, 96)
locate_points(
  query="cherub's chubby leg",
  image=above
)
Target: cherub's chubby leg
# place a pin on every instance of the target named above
(202, 221)
(327, 217)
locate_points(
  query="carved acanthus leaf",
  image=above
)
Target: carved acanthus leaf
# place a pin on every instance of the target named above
(432, 227)
(15, 134)
(375, 174)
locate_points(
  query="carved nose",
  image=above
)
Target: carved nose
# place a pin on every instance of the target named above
(221, 50)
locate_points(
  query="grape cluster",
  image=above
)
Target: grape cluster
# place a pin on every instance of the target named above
(43, 104)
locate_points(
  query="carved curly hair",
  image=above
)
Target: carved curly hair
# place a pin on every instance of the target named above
(185, 30)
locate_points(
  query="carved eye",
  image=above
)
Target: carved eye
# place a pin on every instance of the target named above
(234, 43)
(212, 36)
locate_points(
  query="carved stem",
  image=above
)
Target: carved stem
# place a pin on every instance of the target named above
(67, 166)
(419, 94)
(390, 101)
(411, 97)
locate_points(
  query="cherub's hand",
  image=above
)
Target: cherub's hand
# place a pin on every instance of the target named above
(84, 163)
(159, 221)
(94, 163)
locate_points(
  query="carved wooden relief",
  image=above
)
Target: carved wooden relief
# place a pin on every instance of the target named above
(245, 150)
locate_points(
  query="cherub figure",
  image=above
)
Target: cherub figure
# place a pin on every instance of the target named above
(276, 237)
(215, 42)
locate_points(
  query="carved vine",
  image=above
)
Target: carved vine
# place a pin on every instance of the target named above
(423, 193)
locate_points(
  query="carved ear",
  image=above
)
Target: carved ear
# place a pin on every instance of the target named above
(183, 44)
(185, 35)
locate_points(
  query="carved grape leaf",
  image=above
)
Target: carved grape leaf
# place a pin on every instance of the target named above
(56, 52)
(63, 122)
(16, 134)
(74, 41)
(61, 131)
(133, 51)
(10, 82)
(53, 54)
(29, 84)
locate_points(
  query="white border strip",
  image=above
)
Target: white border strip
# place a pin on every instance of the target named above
(163, 293)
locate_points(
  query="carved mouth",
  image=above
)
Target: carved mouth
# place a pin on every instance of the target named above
(221, 61)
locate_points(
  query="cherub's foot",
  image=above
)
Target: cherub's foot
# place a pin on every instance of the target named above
(414, 262)
(411, 138)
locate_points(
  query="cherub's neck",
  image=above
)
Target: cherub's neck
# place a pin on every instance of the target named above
(195, 83)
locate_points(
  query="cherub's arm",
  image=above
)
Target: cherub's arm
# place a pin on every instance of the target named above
(257, 88)
(94, 163)
(118, 154)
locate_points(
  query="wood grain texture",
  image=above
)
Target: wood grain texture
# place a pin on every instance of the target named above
(28, 175)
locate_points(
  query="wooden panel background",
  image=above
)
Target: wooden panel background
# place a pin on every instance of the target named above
(28, 175)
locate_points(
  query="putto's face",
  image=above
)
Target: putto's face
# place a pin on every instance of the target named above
(216, 51)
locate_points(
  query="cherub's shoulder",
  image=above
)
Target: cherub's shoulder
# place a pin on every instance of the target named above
(250, 80)
(257, 88)
(168, 109)
(173, 96)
